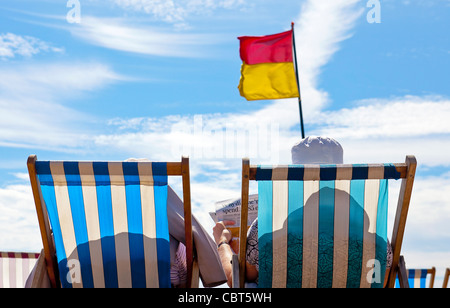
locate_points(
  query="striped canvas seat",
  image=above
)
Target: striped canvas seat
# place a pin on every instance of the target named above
(417, 278)
(15, 268)
(324, 225)
(108, 220)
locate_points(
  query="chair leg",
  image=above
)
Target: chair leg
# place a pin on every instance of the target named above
(402, 275)
(195, 274)
(235, 271)
(40, 277)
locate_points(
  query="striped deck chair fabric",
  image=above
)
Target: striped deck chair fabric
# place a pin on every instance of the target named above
(417, 278)
(109, 222)
(322, 225)
(15, 268)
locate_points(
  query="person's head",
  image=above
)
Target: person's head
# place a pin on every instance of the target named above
(317, 150)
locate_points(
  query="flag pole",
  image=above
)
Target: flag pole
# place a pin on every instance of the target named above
(298, 84)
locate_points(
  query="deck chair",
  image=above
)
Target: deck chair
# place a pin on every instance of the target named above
(325, 225)
(417, 278)
(446, 277)
(104, 224)
(15, 268)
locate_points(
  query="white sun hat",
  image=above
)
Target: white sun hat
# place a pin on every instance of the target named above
(317, 150)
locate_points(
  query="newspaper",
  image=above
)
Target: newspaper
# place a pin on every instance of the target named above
(230, 210)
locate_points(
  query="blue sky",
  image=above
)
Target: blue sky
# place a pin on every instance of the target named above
(158, 79)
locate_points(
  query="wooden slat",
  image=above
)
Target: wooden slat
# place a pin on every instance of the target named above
(400, 217)
(187, 219)
(235, 271)
(195, 275)
(174, 168)
(244, 220)
(402, 274)
(432, 271)
(44, 225)
(446, 277)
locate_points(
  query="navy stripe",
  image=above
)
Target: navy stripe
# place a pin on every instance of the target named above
(44, 173)
(264, 173)
(328, 172)
(390, 172)
(296, 172)
(159, 173)
(360, 172)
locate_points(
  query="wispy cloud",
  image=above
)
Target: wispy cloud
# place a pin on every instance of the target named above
(265, 135)
(12, 45)
(321, 28)
(33, 112)
(119, 34)
(393, 117)
(179, 10)
(387, 129)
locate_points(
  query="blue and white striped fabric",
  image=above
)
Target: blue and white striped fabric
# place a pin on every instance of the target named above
(317, 230)
(417, 278)
(109, 222)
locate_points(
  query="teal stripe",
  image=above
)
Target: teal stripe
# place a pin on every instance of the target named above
(356, 233)
(135, 228)
(162, 223)
(265, 245)
(326, 231)
(106, 222)
(295, 235)
(76, 199)
(381, 239)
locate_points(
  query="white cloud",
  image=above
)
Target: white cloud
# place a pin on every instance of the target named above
(177, 11)
(379, 130)
(32, 109)
(18, 223)
(393, 117)
(320, 28)
(118, 35)
(26, 46)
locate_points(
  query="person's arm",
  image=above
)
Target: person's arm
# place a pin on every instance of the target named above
(222, 236)
(251, 273)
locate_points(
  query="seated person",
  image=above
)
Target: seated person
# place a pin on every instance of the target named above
(211, 271)
(311, 150)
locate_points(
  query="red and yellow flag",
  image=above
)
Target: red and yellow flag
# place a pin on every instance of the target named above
(267, 70)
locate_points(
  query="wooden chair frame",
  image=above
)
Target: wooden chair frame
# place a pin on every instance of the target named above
(173, 169)
(432, 272)
(446, 278)
(407, 173)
